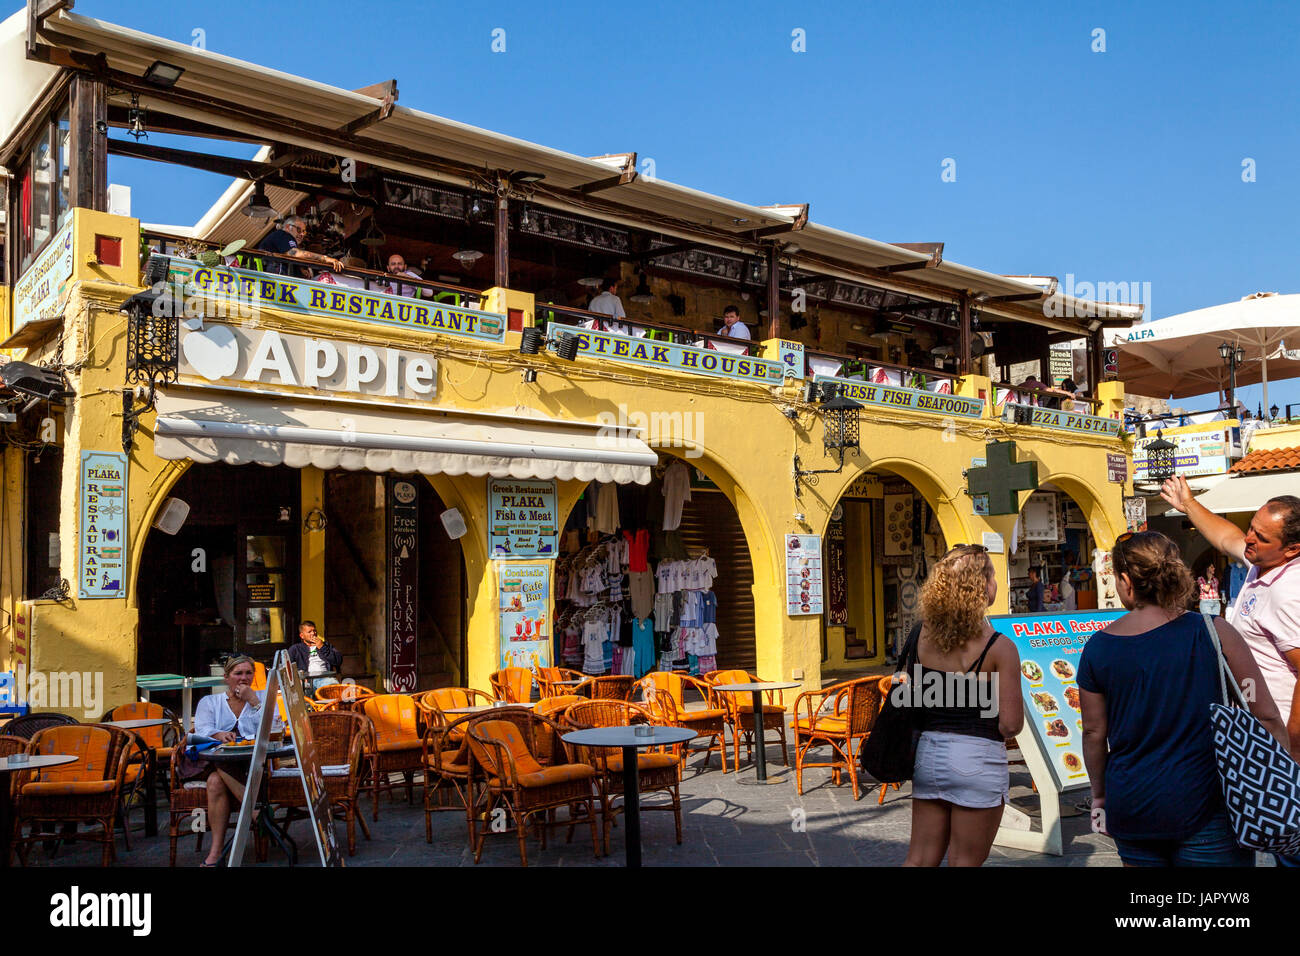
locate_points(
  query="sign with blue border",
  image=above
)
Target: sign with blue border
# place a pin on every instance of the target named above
(912, 399)
(678, 358)
(101, 548)
(1049, 647)
(1069, 421)
(522, 518)
(249, 291)
(793, 359)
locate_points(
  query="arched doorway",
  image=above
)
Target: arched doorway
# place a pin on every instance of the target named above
(1055, 537)
(883, 533)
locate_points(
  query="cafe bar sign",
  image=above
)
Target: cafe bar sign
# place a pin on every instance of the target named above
(102, 545)
(678, 358)
(244, 293)
(912, 399)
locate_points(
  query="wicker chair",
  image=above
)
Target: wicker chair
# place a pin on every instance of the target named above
(547, 676)
(664, 694)
(515, 780)
(434, 702)
(553, 708)
(184, 797)
(28, 725)
(512, 684)
(396, 743)
(338, 739)
(341, 696)
(609, 687)
(154, 750)
(87, 791)
(656, 772)
(840, 716)
(740, 712)
(447, 771)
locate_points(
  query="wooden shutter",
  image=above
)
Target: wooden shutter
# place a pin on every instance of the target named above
(709, 521)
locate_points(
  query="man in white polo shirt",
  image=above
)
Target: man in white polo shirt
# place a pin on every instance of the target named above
(1267, 608)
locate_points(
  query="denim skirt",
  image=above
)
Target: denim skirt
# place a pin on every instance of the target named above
(964, 770)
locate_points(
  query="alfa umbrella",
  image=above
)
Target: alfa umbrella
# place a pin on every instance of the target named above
(1178, 356)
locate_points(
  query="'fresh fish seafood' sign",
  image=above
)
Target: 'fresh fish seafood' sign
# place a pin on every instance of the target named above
(102, 545)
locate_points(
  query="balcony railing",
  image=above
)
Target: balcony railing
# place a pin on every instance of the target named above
(676, 334)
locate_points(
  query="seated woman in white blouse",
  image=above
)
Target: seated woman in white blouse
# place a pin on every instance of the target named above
(227, 717)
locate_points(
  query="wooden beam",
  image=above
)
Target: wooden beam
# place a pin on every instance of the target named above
(773, 292)
(88, 119)
(800, 220)
(1024, 297)
(600, 185)
(964, 346)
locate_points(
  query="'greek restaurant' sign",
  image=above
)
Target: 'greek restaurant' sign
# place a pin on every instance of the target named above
(40, 288)
(102, 547)
(678, 358)
(910, 398)
(248, 291)
(1070, 421)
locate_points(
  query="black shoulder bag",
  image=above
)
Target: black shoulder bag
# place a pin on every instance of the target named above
(889, 752)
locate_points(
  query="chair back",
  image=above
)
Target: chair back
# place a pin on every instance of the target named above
(666, 683)
(605, 713)
(513, 684)
(395, 717)
(730, 698)
(864, 704)
(97, 749)
(163, 736)
(30, 724)
(554, 707)
(496, 744)
(333, 733)
(611, 687)
(259, 676)
(12, 745)
(334, 694)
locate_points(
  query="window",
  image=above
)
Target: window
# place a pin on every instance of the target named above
(45, 183)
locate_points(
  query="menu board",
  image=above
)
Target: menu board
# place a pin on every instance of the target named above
(803, 574)
(523, 520)
(525, 604)
(1049, 646)
(104, 506)
(309, 766)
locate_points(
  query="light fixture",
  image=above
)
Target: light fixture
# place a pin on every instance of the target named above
(1272, 412)
(1161, 463)
(643, 293)
(531, 340)
(530, 375)
(467, 258)
(135, 120)
(475, 210)
(524, 220)
(755, 272)
(163, 75)
(526, 176)
(566, 346)
(32, 380)
(259, 207)
(374, 235)
(591, 282)
(840, 424)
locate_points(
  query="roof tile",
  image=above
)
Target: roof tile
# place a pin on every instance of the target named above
(1272, 459)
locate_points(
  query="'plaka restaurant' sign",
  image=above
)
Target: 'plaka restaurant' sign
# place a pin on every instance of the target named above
(913, 399)
(103, 524)
(678, 358)
(246, 292)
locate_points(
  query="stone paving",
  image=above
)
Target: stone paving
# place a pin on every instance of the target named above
(727, 820)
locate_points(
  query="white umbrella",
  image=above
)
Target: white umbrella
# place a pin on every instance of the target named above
(1178, 356)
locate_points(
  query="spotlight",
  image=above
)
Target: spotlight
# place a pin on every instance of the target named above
(526, 176)
(259, 207)
(566, 347)
(531, 340)
(32, 380)
(163, 75)
(530, 375)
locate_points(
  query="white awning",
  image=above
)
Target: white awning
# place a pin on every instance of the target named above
(239, 430)
(1247, 493)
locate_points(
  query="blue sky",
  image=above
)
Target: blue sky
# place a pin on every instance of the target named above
(1122, 165)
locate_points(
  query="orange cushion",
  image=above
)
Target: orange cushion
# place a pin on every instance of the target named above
(767, 708)
(445, 697)
(824, 724)
(508, 734)
(693, 716)
(142, 710)
(391, 745)
(90, 744)
(643, 762)
(63, 788)
(394, 718)
(548, 776)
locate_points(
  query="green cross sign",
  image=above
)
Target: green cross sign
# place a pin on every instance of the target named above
(1002, 478)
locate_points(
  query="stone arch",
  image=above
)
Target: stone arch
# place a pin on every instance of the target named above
(945, 506)
(1088, 499)
(171, 475)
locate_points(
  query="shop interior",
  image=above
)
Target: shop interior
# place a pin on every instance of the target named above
(1053, 536)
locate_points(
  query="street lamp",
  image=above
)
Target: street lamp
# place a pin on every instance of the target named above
(1272, 412)
(1161, 463)
(840, 434)
(1232, 357)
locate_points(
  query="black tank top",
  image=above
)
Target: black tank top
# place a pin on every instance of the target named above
(967, 701)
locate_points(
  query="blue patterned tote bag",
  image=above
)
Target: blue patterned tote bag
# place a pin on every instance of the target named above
(1261, 781)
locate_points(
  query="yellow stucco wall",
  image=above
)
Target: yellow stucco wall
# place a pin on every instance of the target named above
(748, 447)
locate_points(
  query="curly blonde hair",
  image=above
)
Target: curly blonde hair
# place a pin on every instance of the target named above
(954, 598)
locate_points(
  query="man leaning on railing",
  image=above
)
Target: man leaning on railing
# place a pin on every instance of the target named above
(284, 242)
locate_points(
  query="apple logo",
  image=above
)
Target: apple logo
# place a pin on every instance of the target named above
(213, 352)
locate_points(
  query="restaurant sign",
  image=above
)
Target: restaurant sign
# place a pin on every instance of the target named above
(678, 358)
(522, 518)
(1070, 421)
(231, 353)
(244, 293)
(1199, 450)
(403, 584)
(912, 399)
(39, 290)
(524, 610)
(104, 506)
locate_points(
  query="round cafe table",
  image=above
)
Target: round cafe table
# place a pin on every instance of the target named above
(8, 766)
(757, 690)
(480, 708)
(151, 764)
(630, 741)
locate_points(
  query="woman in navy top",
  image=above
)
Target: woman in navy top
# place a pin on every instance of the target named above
(1146, 684)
